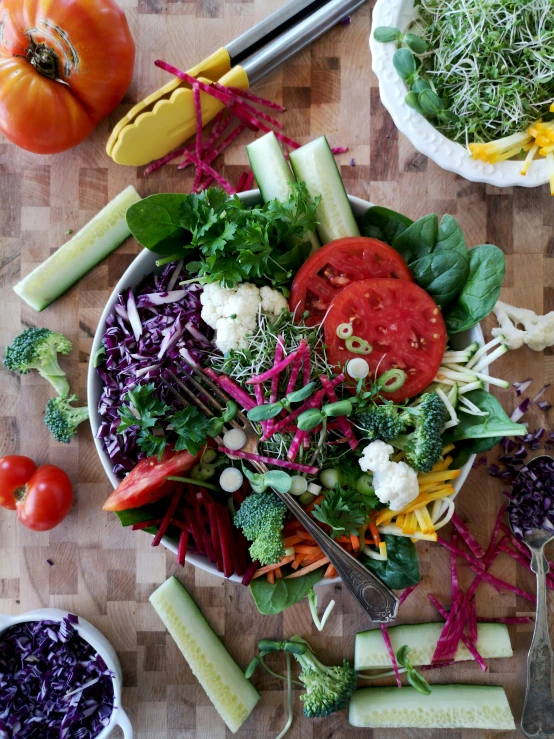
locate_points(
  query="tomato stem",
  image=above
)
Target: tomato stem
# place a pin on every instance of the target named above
(20, 493)
(43, 58)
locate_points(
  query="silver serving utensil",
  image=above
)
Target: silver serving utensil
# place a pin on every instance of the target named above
(537, 720)
(376, 599)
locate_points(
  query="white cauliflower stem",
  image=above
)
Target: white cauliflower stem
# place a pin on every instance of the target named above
(395, 483)
(233, 313)
(537, 331)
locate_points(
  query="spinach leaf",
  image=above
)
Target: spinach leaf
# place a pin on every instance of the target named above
(401, 568)
(464, 449)
(419, 239)
(271, 599)
(441, 274)
(156, 222)
(495, 424)
(487, 266)
(384, 224)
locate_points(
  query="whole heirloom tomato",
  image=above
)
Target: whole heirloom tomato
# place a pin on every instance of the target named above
(64, 66)
(45, 500)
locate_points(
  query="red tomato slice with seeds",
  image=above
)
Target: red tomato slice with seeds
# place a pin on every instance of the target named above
(401, 322)
(337, 265)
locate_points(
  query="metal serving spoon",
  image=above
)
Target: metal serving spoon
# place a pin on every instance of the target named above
(537, 720)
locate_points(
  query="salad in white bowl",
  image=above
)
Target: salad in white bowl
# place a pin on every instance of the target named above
(360, 364)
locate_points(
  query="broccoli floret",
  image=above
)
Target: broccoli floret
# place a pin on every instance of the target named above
(37, 348)
(261, 519)
(384, 422)
(62, 419)
(423, 446)
(328, 689)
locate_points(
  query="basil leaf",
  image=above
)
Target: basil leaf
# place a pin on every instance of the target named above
(271, 599)
(279, 480)
(303, 394)
(487, 267)
(264, 412)
(155, 222)
(495, 424)
(384, 34)
(419, 239)
(384, 224)
(401, 568)
(404, 63)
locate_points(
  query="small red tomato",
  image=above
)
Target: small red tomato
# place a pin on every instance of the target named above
(46, 499)
(15, 471)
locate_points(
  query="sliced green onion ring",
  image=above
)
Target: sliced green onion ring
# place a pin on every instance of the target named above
(392, 380)
(358, 346)
(344, 330)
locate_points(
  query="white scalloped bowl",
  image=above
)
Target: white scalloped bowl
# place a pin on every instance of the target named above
(421, 133)
(144, 264)
(100, 644)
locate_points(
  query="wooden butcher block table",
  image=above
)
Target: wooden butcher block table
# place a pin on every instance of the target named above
(105, 573)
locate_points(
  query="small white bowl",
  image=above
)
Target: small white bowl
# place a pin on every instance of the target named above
(421, 133)
(100, 644)
(144, 264)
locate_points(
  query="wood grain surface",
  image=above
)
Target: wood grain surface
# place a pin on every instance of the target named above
(106, 574)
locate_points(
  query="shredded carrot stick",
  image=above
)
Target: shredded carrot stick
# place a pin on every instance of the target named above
(306, 549)
(304, 571)
(271, 577)
(354, 540)
(330, 571)
(305, 536)
(297, 560)
(344, 540)
(290, 540)
(311, 558)
(269, 568)
(278, 573)
(313, 504)
(374, 533)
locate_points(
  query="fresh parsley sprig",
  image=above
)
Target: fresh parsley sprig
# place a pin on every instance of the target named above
(345, 510)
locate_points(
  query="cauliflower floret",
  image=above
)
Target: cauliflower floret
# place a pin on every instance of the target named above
(233, 312)
(395, 483)
(375, 456)
(537, 332)
(273, 301)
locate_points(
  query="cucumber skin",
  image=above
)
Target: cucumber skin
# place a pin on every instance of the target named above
(371, 653)
(233, 696)
(47, 282)
(447, 707)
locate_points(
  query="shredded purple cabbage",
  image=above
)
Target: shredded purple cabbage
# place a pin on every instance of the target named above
(532, 498)
(41, 662)
(145, 336)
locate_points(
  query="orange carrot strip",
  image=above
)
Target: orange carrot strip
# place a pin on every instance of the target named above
(268, 568)
(314, 566)
(344, 540)
(271, 577)
(297, 560)
(330, 571)
(374, 533)
(305, 549)
(311, 558)
(290, 540)
(305, 536)
(354, 540)
(278, 573)
(312, 505)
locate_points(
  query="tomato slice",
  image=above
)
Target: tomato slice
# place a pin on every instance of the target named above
(401, 322)
(146, 483)
(337, 265)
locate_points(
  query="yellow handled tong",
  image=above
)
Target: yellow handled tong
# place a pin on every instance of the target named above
(167, 118)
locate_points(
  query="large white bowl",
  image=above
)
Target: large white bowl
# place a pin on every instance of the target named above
(144, 264)
(422, 134)
(100, 644)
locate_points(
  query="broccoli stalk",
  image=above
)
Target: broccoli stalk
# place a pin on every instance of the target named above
(261, 518)
(37, 348)
(62, 419)
(423, 446)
